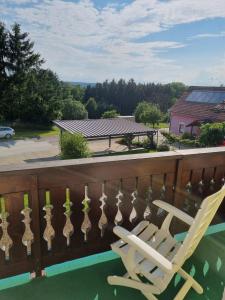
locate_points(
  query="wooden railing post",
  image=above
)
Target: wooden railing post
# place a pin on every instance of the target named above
(177, 186)
(35, 206)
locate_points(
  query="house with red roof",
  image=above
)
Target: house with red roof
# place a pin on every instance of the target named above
(197, 106)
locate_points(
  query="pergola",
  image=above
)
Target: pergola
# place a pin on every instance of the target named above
(96, 129)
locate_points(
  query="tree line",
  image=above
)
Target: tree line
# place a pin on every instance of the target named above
(125, 95)
(30, 93)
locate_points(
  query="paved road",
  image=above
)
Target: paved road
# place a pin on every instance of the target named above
(46, 149)
(18, 151)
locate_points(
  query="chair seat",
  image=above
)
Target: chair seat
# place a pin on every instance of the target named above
(157, 238)
(156, 256)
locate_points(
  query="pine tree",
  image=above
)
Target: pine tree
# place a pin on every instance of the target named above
(3, 52)
(21, 60)
(21, 56)
(3, 68)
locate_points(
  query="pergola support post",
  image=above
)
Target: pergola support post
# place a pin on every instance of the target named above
(129, 138)
(150, 136)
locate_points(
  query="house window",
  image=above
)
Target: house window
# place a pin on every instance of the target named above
(181, 127)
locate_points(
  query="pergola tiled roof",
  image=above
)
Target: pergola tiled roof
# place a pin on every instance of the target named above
(103, 128)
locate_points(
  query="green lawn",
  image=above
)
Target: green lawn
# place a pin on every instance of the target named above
(159, 126)
(162, 125)
(22, 133)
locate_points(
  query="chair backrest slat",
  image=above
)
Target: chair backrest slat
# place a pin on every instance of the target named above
(201, 222)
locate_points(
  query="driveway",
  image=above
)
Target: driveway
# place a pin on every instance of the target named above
(44, 149)
(47, 148)
(29, 150)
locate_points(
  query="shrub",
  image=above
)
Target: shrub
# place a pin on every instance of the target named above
(212, 134)
(125, 141)
(192, 143)
(138, 144)
(147, 144)
(110, 114)
(165, 118)
(73, 110)
(187, 136)
(163, 147)
(73, 146)
(171, 138)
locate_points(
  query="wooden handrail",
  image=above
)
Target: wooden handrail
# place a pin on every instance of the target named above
(87, 197)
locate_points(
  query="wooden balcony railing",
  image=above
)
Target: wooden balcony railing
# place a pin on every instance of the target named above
(57, 211)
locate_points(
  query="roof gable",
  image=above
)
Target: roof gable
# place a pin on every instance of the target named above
(201, 103)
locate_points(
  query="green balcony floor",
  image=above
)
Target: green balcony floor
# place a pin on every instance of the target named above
(89, 282)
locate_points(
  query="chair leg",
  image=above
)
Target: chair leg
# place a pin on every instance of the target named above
(195, 285)
(149, 296)
(143, 287)
(190, 283)
(184, 290)
(119, 280)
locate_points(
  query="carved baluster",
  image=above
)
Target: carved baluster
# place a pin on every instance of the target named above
(68, 229)
(200, 191)
(134, 195)
(223, 180)
(5, 241)
(49, 232)
(187, 201)
(160, 211)
(119, 217)
(28, 236)
(86, 225)
(212, 182)
(103, 221)
(148, 200)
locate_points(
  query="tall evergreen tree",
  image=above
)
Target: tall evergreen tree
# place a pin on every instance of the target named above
(20, 59)
(3, 53)
(21, 56)
(3, 67)
(124, 96)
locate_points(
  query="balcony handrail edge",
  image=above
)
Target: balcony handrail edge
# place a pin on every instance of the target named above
(176, 154)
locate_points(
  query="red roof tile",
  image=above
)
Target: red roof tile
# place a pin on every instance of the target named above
(199, 110)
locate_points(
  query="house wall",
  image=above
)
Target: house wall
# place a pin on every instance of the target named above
(175, 122)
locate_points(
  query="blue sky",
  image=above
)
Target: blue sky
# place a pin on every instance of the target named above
(148, 40)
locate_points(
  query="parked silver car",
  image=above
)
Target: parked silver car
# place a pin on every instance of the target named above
(6, 132)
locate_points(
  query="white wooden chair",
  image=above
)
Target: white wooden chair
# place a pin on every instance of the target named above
(151, 253)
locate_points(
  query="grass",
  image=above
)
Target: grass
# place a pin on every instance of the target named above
(22, 133)
(160, 125)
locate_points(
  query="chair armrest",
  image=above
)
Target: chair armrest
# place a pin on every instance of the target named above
(174, 211)
(143, 248)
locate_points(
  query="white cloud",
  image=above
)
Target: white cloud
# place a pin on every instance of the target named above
(81, 42)
(19, 2)
(208, 35)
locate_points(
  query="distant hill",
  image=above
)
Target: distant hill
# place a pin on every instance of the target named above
(82, 84)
